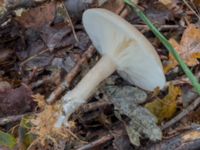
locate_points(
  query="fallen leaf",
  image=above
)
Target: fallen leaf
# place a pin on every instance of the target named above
(173, 6)
(188, 49)
(77, 7)
(66, 63)
(16, 101)
(6, 57)
(12, 36)
(165, 108)
(55, 36)
(39, 16)
(166, 2)
(197, 3)
(143, 123)
(7, 140)
(158, 13)
(114, 5)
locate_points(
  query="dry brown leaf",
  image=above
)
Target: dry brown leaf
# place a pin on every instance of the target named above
(165, 108)
(114, 5)
(166, 2)
(197, 3)
(188, 49)
(169, 3)
(1, 3)
(15, 101)
(39, 16)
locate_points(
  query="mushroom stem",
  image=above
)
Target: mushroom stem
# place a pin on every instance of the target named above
(85, 88)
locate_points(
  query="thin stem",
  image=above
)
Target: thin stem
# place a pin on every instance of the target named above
(85, 88)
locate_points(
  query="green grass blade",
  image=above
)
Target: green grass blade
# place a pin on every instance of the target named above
(165, 42)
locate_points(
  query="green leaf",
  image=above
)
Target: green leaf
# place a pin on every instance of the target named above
(7, 140)
(166, 43)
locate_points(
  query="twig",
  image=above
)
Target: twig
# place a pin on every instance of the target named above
(187, 4)
(184, 112)
(70, 23)
(97, 143)
(93, 106)
(33, 56)
(9, 119)
(71, 75)
(42, 81)
(162, 27)
(15, 4)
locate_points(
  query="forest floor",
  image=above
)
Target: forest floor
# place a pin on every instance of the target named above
(45, 52)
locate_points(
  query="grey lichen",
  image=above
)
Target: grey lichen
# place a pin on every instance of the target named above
(143, 123)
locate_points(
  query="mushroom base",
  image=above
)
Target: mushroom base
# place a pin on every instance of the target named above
(85, 88)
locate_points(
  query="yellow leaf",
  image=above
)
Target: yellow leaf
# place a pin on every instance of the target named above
(196, 55)
(165, 108)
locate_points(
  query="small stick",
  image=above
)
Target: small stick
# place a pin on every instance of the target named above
(70, 23)
(188, 5)
(33, 56)
(184, 112)
(5, 120)
(97, 143)
(71, 75)
(93, 106)
(162, 27)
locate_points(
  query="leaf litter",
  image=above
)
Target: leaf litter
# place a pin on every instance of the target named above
(38, 33)
(188, 49)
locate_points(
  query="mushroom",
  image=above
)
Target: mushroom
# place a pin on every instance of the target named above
(123, 48)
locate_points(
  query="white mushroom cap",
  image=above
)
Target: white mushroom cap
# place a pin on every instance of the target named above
(134, 56)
